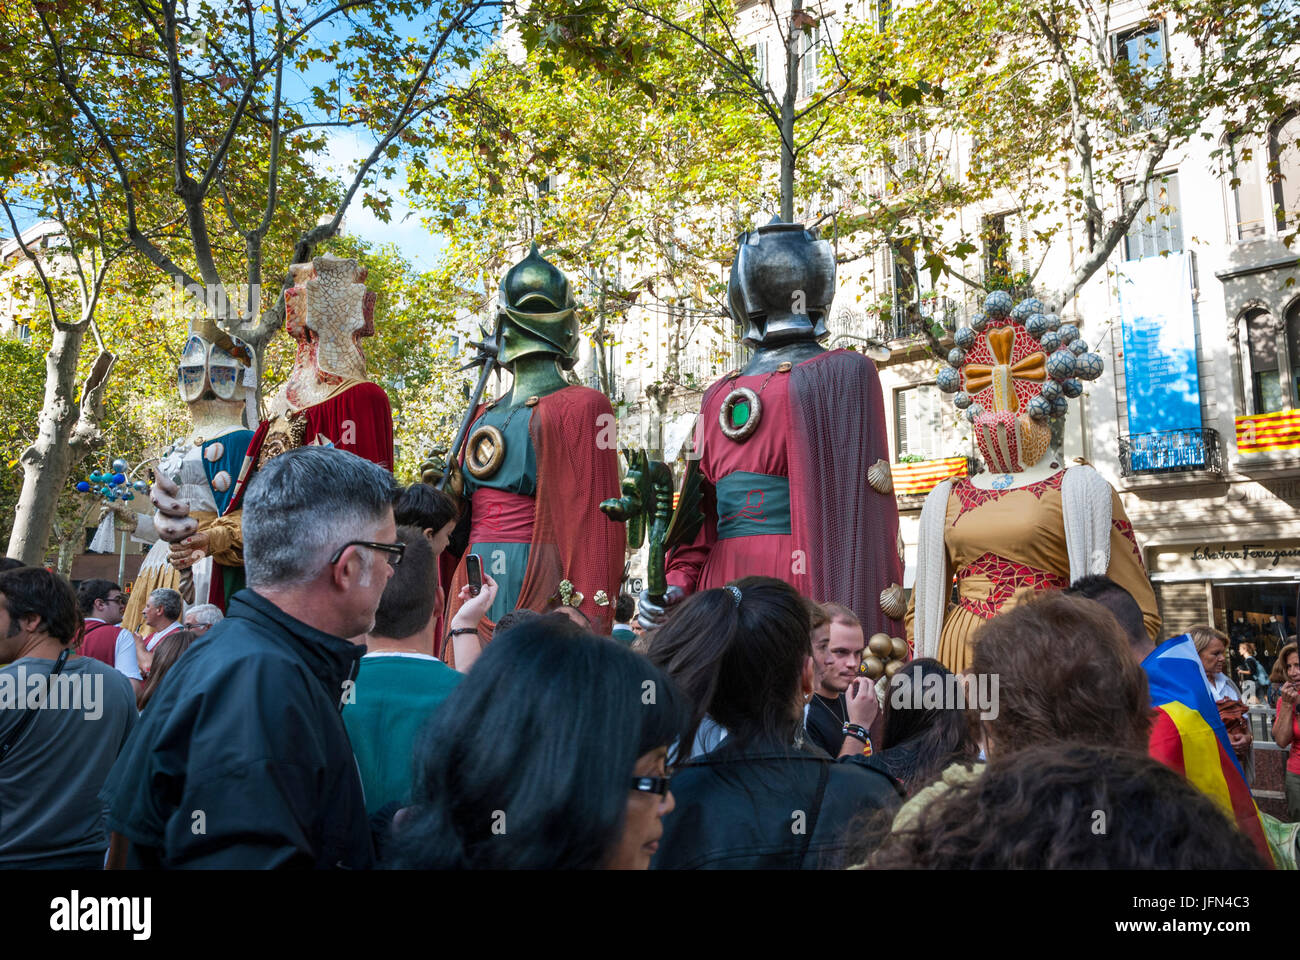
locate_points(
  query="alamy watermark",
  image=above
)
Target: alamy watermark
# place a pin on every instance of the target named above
(910, 690)
(37, 690)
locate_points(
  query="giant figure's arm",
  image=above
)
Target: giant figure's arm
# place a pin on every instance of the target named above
(683, 565)
(225, 539)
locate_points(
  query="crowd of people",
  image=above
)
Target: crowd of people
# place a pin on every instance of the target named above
(314, 722)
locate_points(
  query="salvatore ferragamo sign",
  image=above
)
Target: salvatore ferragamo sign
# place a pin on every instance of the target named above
(1257, 553)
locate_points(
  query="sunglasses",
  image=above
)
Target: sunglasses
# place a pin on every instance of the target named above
(657, 785)
(394, 550)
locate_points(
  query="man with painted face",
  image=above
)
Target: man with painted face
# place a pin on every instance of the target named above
(793, 449)
(196, 475)
(537, 463)
(1028, 523)
(327, 401)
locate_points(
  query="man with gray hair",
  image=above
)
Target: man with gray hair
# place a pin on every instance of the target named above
(162, 612)
(242, 759)
(202, 617)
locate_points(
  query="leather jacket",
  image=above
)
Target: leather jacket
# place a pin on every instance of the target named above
(765, 807)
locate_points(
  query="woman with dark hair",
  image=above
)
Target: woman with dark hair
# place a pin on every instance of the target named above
(922, 733)
(761, 799)
(550, 755)
(165, 655)
(1071, 806)
(1286, 725)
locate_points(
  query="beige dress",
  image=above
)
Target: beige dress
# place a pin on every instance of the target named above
(1002, 545)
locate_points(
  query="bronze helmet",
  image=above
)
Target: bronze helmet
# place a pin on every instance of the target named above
(536, 312)
(782, 284)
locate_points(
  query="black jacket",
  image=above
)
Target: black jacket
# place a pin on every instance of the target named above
(766, 808)
(241, 759)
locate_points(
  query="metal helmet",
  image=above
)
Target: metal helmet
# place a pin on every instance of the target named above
(536, 312)
(213, 364)
(782, 284)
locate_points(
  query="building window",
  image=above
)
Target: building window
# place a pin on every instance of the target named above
(918, 422)
(1293, 350)
(1248, 194)
(1006, 238)
(1158, 226)
(1265, 374)
(758, 54)
(1142, 49)
(1284, 169)
(809, 54)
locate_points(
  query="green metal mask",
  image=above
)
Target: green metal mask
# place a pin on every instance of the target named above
(536, 309)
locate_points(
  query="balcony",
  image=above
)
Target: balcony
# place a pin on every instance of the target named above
(1157, 455)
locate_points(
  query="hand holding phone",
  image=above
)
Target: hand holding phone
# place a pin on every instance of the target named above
(474, 572)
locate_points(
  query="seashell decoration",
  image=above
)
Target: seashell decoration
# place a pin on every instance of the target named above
(892, 602)
(881, 477)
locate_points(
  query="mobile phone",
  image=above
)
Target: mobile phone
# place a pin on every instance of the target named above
(474, 570)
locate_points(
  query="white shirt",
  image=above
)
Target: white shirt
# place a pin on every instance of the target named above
(1222, 688)
(124, 658)
(156, 638)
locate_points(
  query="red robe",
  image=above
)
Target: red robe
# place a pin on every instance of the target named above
(822, 425)
(358, 420)
(571, 538)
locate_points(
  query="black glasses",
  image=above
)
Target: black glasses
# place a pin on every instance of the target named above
(657, 785)
(120, 598)
(394, 550)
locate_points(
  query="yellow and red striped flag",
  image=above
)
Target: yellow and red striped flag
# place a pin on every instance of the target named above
(1268, 431)
(915, 478)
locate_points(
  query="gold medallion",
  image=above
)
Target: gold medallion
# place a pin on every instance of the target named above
(485, 452)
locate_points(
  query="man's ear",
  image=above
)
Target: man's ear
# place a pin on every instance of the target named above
(31, 622)
(347, 571)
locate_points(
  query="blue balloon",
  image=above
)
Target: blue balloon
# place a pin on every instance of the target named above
(82, 486)
(119, 478)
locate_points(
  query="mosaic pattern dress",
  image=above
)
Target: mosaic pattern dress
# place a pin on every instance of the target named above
(1003, 544)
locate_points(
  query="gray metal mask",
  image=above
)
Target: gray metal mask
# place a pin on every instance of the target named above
(782, 284)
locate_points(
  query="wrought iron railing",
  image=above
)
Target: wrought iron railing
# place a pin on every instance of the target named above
(1171, 451)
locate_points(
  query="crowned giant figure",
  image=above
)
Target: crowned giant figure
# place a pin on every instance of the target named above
(1028, 523)
(538, 461)
(792, 449)
(196, 475)
(327, 401)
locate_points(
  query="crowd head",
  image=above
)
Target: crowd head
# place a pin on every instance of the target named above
(920, 737)
(322, 519)
(1060, 805)
(1105, 591)
(101, 599)
(409, 601)
(1212, 645)
(36, 605)
(1064, 672)
(202, 617)
(509, 775)
(740, 654)
(427, 508)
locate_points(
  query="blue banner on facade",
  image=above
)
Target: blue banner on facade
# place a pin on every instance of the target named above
(1164, 394)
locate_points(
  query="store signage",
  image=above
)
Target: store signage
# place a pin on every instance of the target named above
(1246, 551)
(1160, 370)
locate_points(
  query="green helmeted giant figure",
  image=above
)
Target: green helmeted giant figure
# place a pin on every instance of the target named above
(534, 464)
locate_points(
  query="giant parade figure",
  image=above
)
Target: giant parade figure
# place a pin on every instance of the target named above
(537, 462)
(196, 474)
(1027, 523)
(790, 467)
(327, 400)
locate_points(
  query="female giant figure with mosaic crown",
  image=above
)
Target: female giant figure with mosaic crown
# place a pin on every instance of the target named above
(1027, 523)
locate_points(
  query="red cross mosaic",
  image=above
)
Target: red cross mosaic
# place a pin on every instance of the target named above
(1007, 576)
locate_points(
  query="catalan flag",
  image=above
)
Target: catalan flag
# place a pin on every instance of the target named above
(1268, 431)
(917, 478)
(1189, 737)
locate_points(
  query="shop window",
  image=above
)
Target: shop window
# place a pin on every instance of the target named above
(1158, 226)
(1284, 169)
(918, 422)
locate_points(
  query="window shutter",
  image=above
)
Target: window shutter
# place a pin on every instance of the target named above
(900, 422)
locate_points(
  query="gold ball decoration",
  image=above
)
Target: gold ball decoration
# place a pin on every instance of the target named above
(873, 666)
(880, 645)
(892, 667)
(899, 648)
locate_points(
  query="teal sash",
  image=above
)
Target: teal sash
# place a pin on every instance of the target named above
(751, 504)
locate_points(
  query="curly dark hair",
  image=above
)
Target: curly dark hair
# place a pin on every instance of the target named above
(1071, 806)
